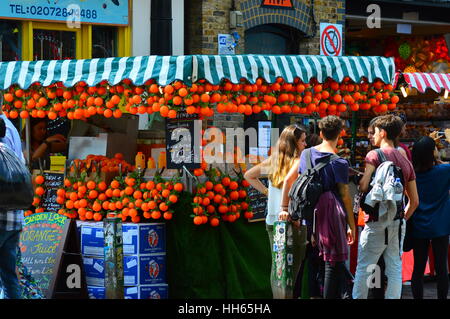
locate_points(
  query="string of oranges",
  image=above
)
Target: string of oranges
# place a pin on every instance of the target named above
(203, 98)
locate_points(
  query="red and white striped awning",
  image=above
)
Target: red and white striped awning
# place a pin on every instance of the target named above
(422, 81)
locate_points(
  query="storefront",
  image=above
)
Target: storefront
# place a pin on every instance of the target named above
(47, 30)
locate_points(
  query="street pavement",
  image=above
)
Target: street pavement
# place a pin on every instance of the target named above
(429, 290)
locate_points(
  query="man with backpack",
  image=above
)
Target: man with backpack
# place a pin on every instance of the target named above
(387, 176)
(10, 222)
(318, 196)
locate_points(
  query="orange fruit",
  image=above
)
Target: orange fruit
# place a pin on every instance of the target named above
(156, 214)
(39, 179)
(198, 220)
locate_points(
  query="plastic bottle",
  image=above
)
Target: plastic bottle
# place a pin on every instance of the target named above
(140, 160)
(162, 160)
(151, 163)
(398, 188)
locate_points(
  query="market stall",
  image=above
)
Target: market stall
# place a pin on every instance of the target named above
(175, 87)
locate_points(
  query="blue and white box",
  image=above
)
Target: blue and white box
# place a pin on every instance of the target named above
(131, 292)
(146, 238)
(94, 270)
(96, 292)
(160, 291)
(152, 238)
(100, 292)
(152, 269)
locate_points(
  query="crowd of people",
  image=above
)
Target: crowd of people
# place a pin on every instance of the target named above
(398, 187)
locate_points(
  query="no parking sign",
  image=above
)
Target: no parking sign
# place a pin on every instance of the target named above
(331, 41)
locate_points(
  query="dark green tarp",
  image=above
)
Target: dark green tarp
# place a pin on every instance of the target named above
(228, 261)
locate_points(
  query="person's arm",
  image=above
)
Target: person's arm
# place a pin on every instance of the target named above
(253, 175)
(346, 199)
(287, 184)
(40, 151)
(365, 180)
(58, 143)
(413, 199)
(403, 152)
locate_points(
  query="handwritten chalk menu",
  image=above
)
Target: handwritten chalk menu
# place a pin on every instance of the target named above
(180, 141)
(258, 202)
(41, 245)
(53, 181)
(51, 252)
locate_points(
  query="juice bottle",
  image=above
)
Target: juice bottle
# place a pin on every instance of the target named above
(140, 160)
(151, 163)
(162, 160)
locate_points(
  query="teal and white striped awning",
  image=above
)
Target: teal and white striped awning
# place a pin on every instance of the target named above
(215, 68)
(164, 69)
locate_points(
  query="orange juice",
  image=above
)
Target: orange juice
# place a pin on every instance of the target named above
(140, 160)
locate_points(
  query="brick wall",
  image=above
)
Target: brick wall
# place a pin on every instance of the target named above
(207, 18)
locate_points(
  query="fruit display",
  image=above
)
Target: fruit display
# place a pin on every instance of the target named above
(425, 111)
(129, 197)
(81, 101)
(220, 198)
(419, 54)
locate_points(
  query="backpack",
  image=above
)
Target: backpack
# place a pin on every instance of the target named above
(398, 177)
(307, 189)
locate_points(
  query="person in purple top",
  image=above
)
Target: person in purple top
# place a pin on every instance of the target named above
(333, 213)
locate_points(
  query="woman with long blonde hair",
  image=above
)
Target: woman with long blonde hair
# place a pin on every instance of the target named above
(285, 155)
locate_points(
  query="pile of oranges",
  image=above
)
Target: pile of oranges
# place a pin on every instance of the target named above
(128, 197)
(107, 164)
(220, 198)
(203, 98)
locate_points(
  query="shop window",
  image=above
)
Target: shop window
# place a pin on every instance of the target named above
(104, 42)
(53, 45)
(9, 41)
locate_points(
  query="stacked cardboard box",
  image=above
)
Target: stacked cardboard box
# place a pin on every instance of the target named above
(144, 261)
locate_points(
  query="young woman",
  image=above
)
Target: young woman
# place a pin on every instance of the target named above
(42, 145)
(334, 209)
(285, 155)
(431, 221)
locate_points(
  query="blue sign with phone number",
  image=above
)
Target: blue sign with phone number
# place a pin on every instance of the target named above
(113, 12)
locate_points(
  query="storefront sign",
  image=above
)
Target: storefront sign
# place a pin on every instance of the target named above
(113, 12)
(285, 4)
(331, 39)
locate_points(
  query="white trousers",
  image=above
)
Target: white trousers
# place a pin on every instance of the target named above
(374, 243)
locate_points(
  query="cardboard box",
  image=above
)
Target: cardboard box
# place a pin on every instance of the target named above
(94, 270)
(138, 239)
(152, 269)
(100, 292)
(137, 270)
(152, 238)
(160, 291)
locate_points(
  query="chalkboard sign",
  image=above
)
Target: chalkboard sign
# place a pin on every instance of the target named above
(49, 243)
(258, 202)
(53, 181)
(176, 153)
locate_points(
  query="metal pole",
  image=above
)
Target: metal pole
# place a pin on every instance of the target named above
(113, 253)
(28, 141)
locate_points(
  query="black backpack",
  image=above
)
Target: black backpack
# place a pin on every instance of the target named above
(307, 188)
(373, 211)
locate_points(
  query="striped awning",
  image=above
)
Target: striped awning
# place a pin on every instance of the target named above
(215, 68)
(163, 69)
(422, 81)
